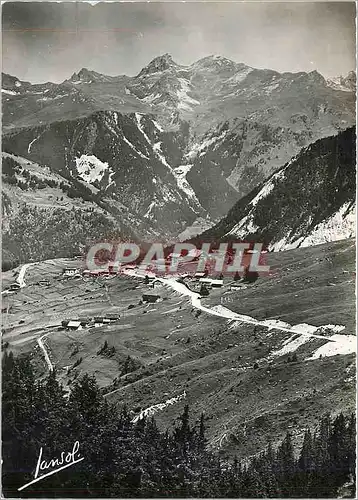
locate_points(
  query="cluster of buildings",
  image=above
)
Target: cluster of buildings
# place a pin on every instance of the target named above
(96, 321)
(150, 277)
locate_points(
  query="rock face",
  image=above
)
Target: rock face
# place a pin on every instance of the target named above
(344, 83)
(308, 201)
(174, 143)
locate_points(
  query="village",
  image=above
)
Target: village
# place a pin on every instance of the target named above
(198, 282)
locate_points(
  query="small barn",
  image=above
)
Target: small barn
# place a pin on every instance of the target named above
(148, 297)
(14, 286)
(113, 317)
(200, 275)
(74, 325)
(205, 281)
(84, 321)
(44, 283)
(217, 283)
(236, 287)
(69, 271)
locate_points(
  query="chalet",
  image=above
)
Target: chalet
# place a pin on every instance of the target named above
(113, 317)
(74, 325)
(235, 286)
(217, 283)
(14, 286)
(200, 275)
(205, 281)
(84, 321)
(70, 271)
(94, 273)
(150, 298)
(43, 283)
(150, 276)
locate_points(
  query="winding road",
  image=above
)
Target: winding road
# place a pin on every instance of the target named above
(223, 312)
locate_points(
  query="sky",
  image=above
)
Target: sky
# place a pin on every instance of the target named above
(49, 41)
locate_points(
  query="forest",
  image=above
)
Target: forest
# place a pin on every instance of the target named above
(126, 459)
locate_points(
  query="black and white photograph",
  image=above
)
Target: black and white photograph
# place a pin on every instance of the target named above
(178, 249)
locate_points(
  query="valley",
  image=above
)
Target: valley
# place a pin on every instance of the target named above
(255, 360)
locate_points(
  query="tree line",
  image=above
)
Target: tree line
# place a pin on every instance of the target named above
(123, 458)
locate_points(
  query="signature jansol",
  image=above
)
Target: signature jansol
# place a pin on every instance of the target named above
(65, 460)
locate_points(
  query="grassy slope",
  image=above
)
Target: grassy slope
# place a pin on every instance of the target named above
(313, 285)
(243, 405)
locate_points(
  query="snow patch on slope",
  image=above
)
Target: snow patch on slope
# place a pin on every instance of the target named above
(340, 226)
(148, 412)
(134, 149)
(244, 227)
(291, 345)
(9, 92)
(148, 212)
(150, 98)
(157, 148)
(31, 143)
(200, 147)
(246, 224)
(343, 344)
(138, 117)
(239, 76)
(180, 176)
(157, 126)
(185, 102)
(90, 168)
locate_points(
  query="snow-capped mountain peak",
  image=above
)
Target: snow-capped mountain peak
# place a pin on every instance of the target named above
(158, 64)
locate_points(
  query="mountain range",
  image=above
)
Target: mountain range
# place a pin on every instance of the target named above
(172, 148)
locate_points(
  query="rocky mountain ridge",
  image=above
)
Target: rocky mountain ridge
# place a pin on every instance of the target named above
(174, 144)
(309, 201)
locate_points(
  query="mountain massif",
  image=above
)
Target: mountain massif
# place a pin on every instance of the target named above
(171, 148)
